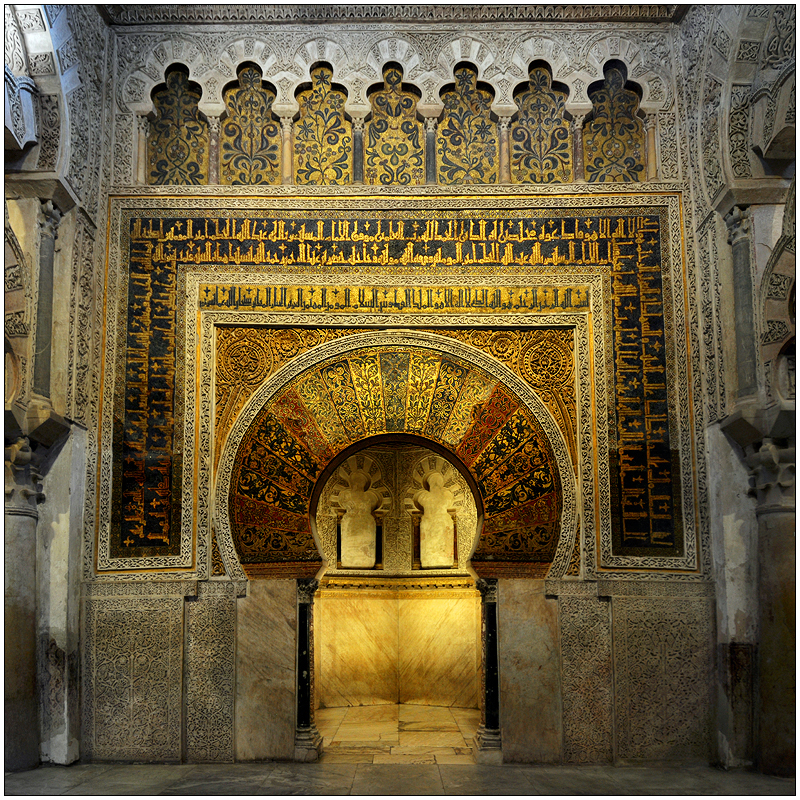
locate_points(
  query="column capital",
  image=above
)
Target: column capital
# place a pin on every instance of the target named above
(358, 124)
(286, 124)
(649, 122)
(213, 124)
(503, 123)
(577, 121)
(50, 219)
(430, 124)
(772, 476)
(738, 222)
(305, 589)
(488, 589)
(23, 491)
(142, 124)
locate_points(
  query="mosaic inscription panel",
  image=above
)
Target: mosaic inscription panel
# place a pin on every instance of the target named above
(621, 244)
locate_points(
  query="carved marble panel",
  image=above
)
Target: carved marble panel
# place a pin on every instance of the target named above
(132, 664)
(210, 656)
(663, 659)
(586, 679)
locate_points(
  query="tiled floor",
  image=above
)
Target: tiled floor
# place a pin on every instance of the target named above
(403, 734)
(383, 779)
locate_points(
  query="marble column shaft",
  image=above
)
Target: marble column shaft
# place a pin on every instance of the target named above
(430, 150)
(142, 127)
(739, 237)
(22, 494)
(48, 227)
(358, 151)
(213, 150)
(488, 739)
(578, 173)
(307, 742)
(773, 474)
(287, 176)
(650, 147)
(505, 158)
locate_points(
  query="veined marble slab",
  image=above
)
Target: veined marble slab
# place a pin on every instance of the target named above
(265, 671)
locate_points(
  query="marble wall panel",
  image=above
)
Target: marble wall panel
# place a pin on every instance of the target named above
(266, 622)
(132, 665)
(530, 687)
(586, 679)
(663, 657)
(356, 646)
(210, 676)
(439, 650)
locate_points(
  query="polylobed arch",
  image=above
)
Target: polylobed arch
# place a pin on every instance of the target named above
(263, 518)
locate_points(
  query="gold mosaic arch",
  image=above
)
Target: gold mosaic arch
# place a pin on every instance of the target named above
(380, 384)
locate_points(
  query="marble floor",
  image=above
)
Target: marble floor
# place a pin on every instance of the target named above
(401, 734)
(385, 779)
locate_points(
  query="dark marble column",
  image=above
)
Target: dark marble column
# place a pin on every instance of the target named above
(48, 227)
(430, 150)
(739, 237)
(307, 741)
(488, 743)
(772, 465)
(22, 495)
(358, 151)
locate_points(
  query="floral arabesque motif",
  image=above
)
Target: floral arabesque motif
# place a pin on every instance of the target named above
(541, 149)
(250, 140)
(467, 145)
(393, 151)
(177, 146)
(323, 141)
(613, 140)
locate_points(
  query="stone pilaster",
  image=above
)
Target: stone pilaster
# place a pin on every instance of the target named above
(213, 150)
(430, 150)
(505, 156)
(287, 171)
(488, 742)
(307, 740)
(48, 231)
(22, 495)
(739, 237)
(578, 173)
(772, 465)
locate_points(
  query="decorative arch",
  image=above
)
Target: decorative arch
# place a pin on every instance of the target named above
(393, 383)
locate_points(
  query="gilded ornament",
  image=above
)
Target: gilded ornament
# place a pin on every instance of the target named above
(541, 137)
(393, 147)
(467, 149)
(250, 139)
(613, 138)
(323, 139)
(177, 145)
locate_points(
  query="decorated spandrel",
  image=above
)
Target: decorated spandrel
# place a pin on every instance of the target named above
(541, 138)
(393, 146)
(613, 138)
(177, 145)
(466, 142)
(323, 138)
(250, 138)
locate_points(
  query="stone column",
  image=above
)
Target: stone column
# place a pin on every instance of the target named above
(307, 741)
(487, 742)
(287, 176)
(430, 150)
(505, 156)
(358, 150)
(651, 159)
(739, 233)
(213, 150)
(48, 229)
(773, 483)
(578, 173)
(142, 128)
(22, 494)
